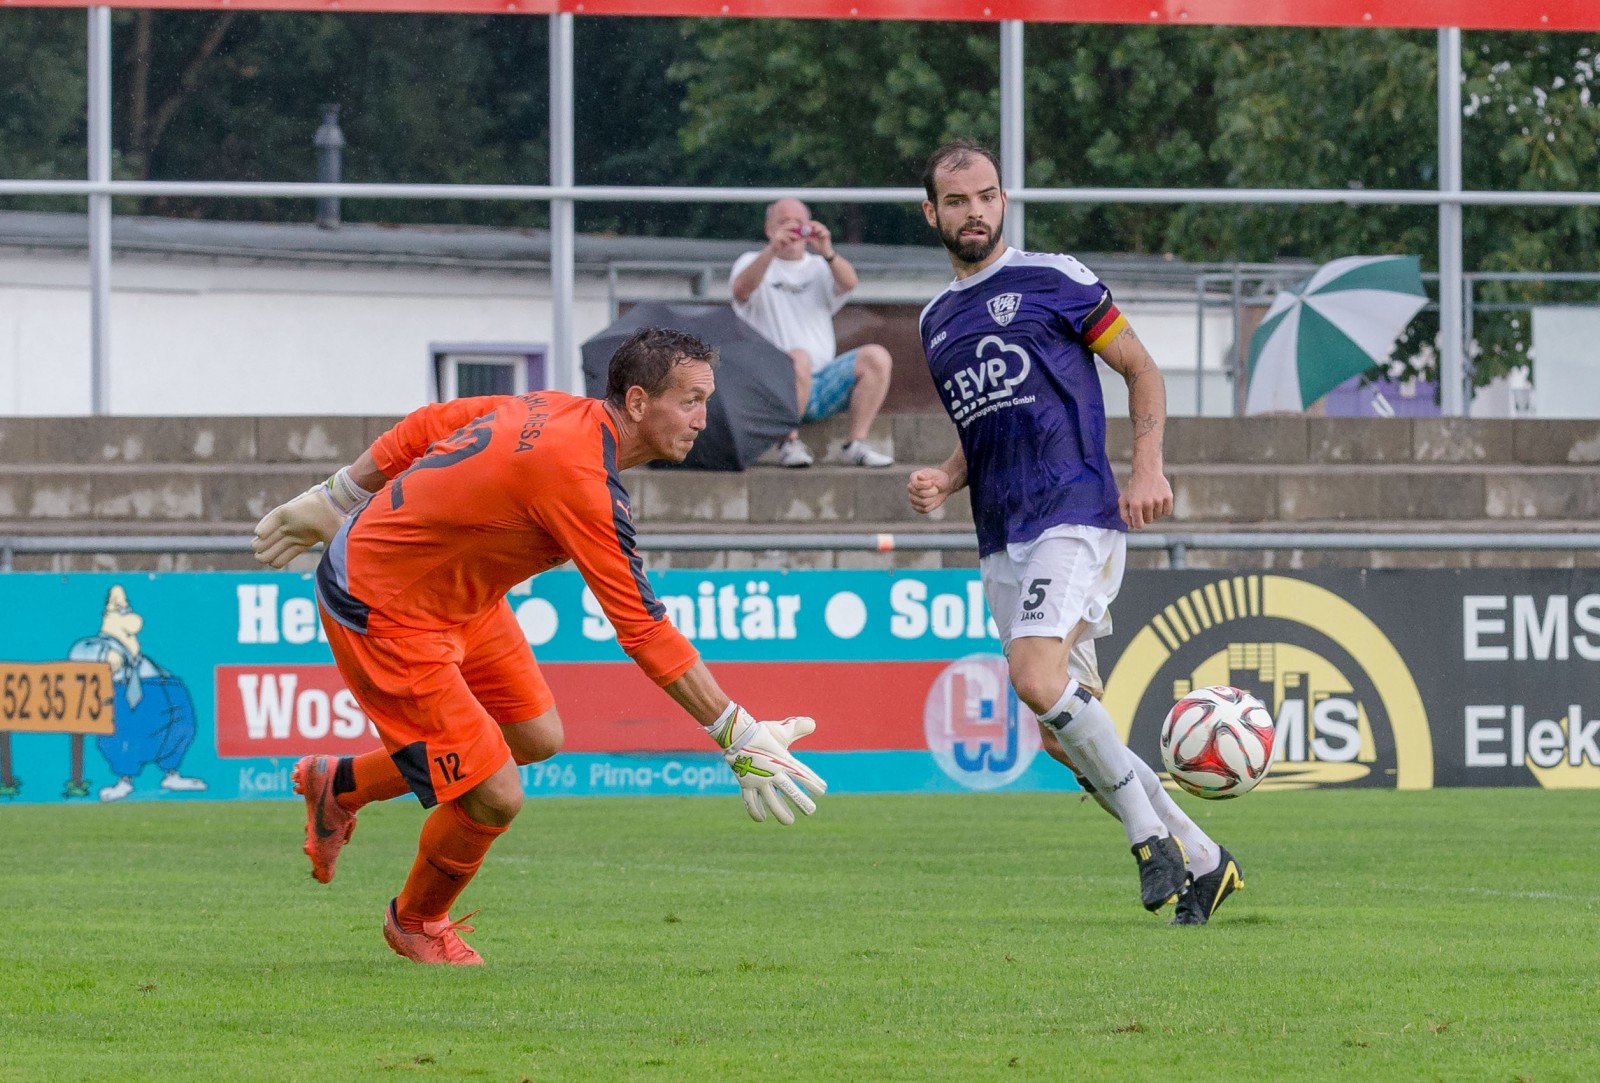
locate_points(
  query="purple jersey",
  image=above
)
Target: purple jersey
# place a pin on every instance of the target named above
(1009, 350)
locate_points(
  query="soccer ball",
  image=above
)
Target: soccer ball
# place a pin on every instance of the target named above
(1217, 742)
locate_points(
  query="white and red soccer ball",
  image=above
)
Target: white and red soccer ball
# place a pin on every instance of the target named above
(1216, 742)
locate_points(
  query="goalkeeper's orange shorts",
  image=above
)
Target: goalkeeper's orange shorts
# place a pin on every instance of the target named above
(438, 699)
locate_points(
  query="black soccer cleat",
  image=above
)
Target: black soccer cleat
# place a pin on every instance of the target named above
(1162, 878)
(1206, 894)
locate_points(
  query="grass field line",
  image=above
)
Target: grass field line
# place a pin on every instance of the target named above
(1590, 900)
(642, 866)
(1491, 893)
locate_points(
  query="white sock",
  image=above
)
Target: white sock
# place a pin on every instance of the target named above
(1203, 854)
(1090, 740)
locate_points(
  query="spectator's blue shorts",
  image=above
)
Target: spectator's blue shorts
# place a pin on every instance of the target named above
(831, 386)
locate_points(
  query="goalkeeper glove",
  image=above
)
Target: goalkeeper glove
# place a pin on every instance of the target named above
(314, 516)
(758, 752)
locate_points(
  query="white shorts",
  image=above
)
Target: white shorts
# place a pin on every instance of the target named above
(1044, 587)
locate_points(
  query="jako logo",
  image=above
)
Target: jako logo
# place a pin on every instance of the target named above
(1347, 709)
(977, 730)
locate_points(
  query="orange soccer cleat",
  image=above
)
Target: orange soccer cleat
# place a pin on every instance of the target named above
(438, 942)
(329, 824)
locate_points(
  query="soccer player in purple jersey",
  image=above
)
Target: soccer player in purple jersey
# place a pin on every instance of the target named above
(1011, 345)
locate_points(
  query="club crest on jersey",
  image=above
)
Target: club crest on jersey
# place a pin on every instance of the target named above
(1004, 307)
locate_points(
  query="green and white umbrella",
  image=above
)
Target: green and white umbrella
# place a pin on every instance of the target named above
(1338, 323)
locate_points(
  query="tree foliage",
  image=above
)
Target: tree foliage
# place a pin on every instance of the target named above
(42, 92)
(433, 99)
(237, 95)
(837, 104)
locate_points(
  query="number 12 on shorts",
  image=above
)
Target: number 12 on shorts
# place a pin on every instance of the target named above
(449, 765)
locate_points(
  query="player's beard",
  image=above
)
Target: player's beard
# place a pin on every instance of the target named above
(972, 250)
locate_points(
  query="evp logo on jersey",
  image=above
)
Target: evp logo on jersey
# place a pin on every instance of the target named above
(1004, 307)
(990, 383)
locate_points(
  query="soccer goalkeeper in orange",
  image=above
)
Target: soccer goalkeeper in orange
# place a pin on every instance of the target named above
(426, 532)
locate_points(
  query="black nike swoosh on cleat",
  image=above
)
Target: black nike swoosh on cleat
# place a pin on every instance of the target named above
(322, 829)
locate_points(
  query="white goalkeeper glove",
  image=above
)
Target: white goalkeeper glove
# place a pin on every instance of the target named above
(769, 777)
(314, 516)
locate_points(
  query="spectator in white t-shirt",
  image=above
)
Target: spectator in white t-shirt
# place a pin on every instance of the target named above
(789, 295)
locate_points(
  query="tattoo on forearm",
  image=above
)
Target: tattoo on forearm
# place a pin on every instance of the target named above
(1124, 354)
(1143, 424)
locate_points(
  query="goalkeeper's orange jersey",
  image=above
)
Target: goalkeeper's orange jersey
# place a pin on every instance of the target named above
(486, 492)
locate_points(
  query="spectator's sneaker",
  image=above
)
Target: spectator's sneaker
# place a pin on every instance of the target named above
(329, 824)
(861, 453)
(1207, 893)
(793, 452)
(1162, 877)
(438, 942)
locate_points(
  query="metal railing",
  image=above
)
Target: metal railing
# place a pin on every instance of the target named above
(1176, 544)
(563, 194)
(616, 193)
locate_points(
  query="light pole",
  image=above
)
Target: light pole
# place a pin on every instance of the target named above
(329, 141)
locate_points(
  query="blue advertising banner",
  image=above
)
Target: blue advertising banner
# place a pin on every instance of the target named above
(191, 686)
(210, 685)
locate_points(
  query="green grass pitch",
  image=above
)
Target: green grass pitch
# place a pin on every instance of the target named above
(1436, 935)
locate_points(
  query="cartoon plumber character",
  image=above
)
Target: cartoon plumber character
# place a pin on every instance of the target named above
(154, 714)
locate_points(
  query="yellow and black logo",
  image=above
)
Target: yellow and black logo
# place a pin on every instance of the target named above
(1346, 708)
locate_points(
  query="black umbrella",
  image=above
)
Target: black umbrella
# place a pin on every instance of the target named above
(754, 405)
